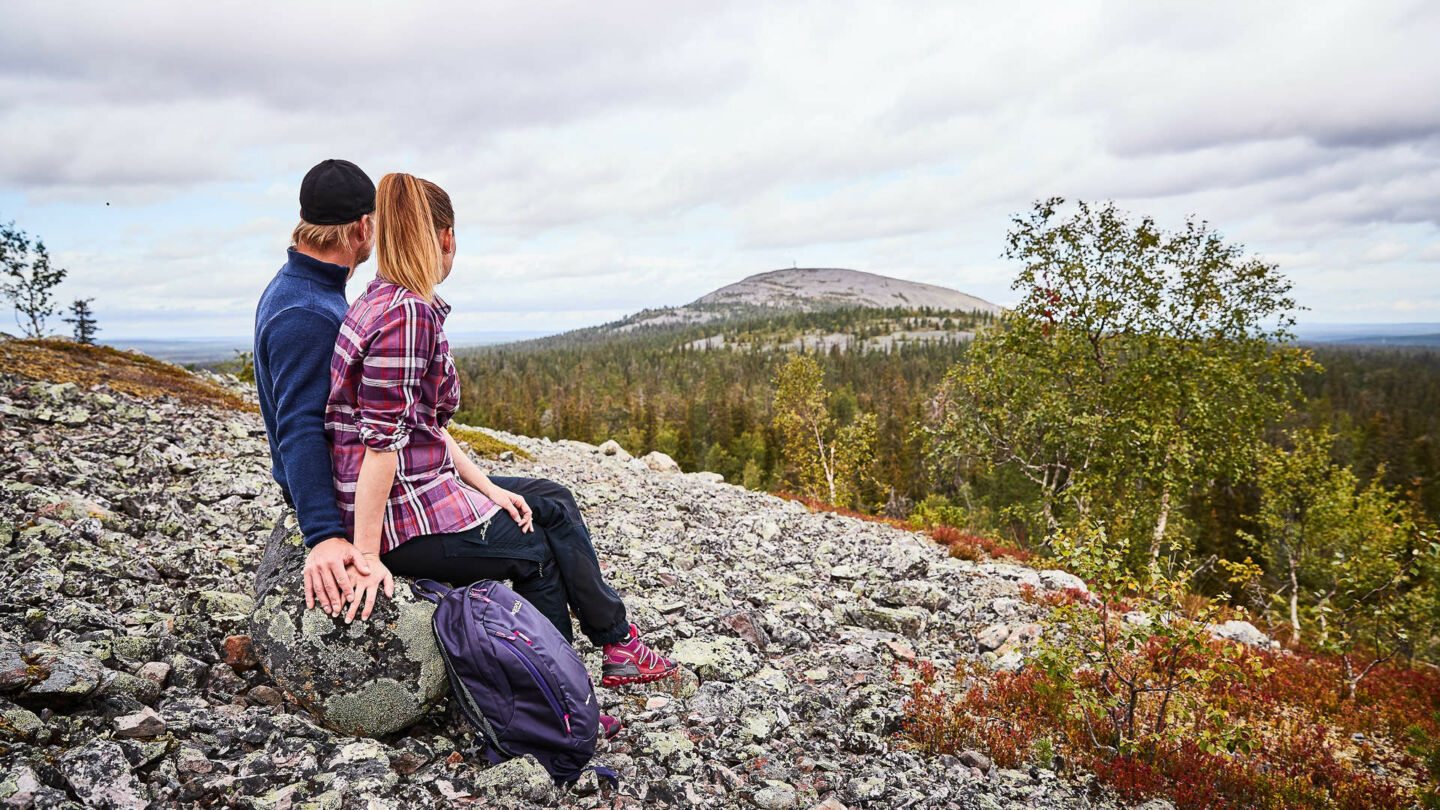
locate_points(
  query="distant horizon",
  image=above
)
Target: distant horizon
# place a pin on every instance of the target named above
(1304, 330)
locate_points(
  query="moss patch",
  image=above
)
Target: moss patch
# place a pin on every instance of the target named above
(483, 444)
(63, 361)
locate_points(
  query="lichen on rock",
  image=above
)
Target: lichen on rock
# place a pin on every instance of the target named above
(370, 677)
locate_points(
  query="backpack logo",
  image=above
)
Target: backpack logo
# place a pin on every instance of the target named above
(516, 608)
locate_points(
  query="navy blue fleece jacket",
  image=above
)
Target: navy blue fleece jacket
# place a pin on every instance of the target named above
(296, 323)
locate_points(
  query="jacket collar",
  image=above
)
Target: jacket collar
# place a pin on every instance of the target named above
(308, 267)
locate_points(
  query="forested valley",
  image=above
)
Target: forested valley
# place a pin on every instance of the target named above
(712, 409)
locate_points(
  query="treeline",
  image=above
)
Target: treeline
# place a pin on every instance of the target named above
(712, 409)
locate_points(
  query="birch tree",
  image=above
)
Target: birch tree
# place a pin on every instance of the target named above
(827, 458)
(1138, 364)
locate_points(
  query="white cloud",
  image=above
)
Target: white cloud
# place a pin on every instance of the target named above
(605, 157)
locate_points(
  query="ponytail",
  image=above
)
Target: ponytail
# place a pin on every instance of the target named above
(407, 250)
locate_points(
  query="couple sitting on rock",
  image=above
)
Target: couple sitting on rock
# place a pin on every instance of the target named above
(356, 400)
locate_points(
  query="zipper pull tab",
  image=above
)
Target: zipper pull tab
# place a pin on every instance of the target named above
(567, 725)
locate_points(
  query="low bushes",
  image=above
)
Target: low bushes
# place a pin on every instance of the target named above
(1234, 727)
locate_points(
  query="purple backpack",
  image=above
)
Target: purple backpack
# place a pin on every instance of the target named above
(515, 677)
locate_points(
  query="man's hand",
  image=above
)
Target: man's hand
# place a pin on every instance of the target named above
(369, 585)
(325, 579)
(515, 505)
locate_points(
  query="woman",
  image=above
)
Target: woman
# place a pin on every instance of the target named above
(413, 501)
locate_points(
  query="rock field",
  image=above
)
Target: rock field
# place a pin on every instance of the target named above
(131, 531)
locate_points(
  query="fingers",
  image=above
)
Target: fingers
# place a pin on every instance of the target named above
(361, 564)
(370, 591)
(331, 594)
(389, 585)
(309, 590)
(342, 579)
(354, 606)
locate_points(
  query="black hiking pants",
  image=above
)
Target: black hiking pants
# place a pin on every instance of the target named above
(554, 567)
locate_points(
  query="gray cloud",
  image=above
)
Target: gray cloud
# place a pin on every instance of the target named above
(604, 157)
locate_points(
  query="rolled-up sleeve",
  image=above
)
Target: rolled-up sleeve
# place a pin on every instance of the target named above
(392, 371)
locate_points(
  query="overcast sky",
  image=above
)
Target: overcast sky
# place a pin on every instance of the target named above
(606, 157)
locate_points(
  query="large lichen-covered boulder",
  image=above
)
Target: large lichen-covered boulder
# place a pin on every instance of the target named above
(366, 678)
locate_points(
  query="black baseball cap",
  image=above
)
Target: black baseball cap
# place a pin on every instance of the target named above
(335, 192)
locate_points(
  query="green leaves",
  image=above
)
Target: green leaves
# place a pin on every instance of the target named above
(1139, 365)
(32, 279)
(827, 458)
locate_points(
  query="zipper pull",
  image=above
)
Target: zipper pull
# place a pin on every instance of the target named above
(567, 725)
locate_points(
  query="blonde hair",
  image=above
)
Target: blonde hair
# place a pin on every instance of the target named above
(442, 213)
(407, 249)
(322, 237)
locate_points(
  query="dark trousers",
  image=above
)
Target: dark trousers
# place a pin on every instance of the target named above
(554, 568)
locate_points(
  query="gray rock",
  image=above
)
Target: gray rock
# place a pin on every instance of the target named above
(523, 777)
(774, 796)
(144, 723)
(719, 658)
(1240, 631)
(19, 787)
(907, 621)
(992, 637)
(367, 678)
(100, 776)
(613, 448)
(19, 723)
(659, 462)
(975, 759)
(61, 675)
(811, 608)
(1063, 580)
(1156, 804)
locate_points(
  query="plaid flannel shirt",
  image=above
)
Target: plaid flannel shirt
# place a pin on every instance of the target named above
(393, 387)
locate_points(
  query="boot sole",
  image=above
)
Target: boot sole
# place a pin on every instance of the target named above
(623, 680)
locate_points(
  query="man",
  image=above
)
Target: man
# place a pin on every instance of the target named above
(296, 323)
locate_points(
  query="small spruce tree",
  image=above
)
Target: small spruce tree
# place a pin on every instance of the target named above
(83, 321)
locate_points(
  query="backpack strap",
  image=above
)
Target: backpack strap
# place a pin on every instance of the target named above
(429, 589)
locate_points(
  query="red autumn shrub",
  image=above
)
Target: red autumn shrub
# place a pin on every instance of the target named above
(961, 544)
(1300, 752)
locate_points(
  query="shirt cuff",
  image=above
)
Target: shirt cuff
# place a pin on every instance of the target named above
(383, 437)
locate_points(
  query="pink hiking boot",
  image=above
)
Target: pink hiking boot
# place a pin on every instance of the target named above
(633, 662)
(610, 726)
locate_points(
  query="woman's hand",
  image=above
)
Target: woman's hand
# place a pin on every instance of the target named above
(368, 585)
(515, 505)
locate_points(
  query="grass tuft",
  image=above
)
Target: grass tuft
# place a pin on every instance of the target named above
(483, 444)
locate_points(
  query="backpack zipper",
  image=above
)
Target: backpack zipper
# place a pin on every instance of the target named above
(550, 696)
